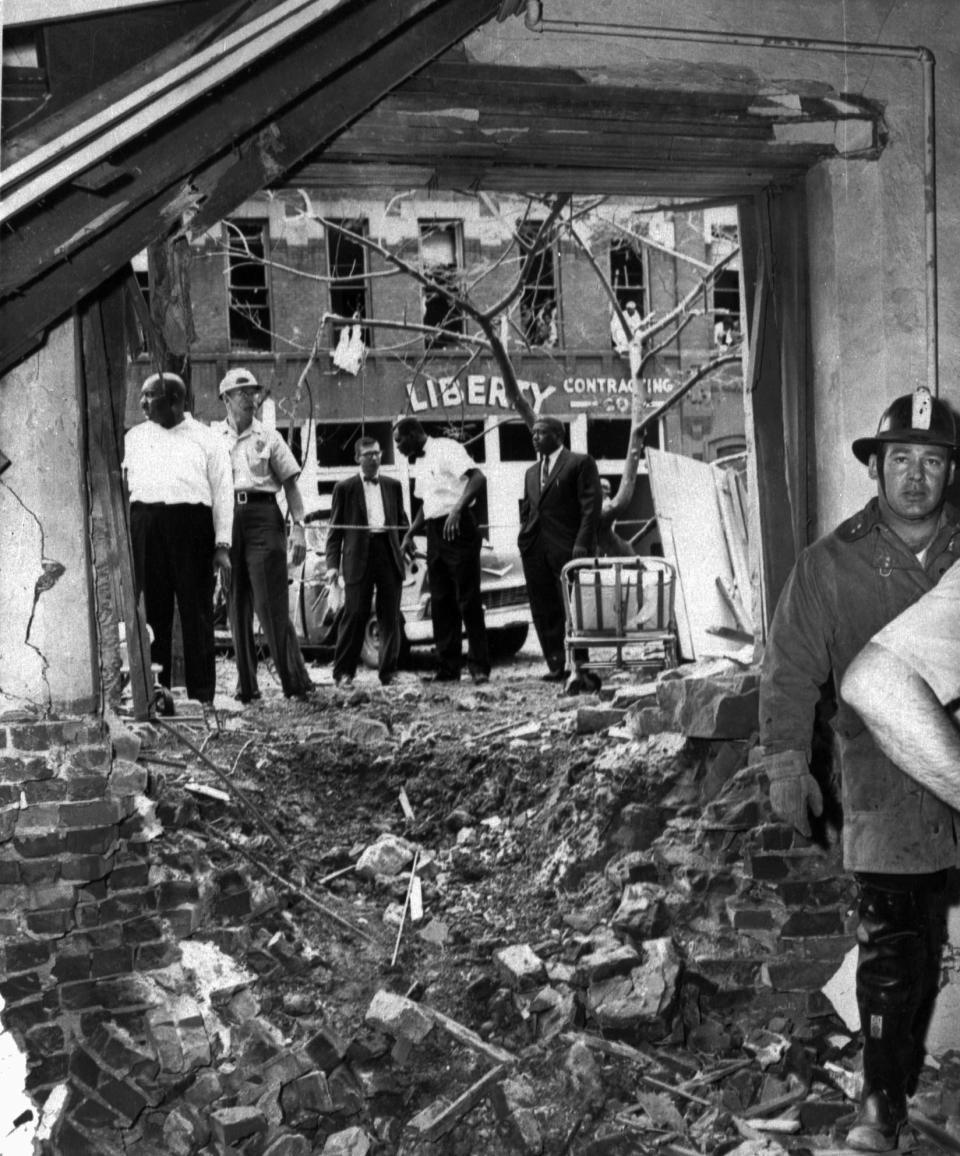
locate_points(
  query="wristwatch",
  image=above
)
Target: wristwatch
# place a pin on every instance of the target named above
(221, 546)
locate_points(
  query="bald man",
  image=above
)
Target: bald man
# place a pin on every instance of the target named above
(560, 517)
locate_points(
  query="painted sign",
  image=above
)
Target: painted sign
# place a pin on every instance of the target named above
(610, 394)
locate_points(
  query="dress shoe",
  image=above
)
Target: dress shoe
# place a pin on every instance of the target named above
(554, 676)
(245, 698)
(878, 1123)
(386, 679)
(211, 720)
(479, 677)
(344, 680)
(589, 681)
(443, 676)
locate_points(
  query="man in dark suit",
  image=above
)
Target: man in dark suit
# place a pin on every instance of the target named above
(559, 515)
(367, 520)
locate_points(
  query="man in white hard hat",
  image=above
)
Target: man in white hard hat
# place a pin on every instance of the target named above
(262, 465)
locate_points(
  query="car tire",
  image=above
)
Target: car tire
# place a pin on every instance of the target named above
(370, 654)
(505, 641)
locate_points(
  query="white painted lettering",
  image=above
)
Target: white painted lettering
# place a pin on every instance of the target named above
(475, 389)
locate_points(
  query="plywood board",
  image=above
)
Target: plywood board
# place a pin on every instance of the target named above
(685, 500)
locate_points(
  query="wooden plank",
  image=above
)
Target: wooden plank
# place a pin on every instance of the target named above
(104, 362)
(225, 179)
(685, 500)
(315, 119)
(71, 217)
(117, 88)
(38, 172)
(431, 1123)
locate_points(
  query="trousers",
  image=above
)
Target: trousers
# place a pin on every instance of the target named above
(382, 574)
(259, 585)
(453, 568)
(901, 933)
(173, 561)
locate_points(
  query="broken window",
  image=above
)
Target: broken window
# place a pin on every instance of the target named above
(608, 439)
(248, 286)
(627, 274)
(347, 264)
(441, 259)
(726, 307)
(538, 299)
(516, 444)
(141, 272)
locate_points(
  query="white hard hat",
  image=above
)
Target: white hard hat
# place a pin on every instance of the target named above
(237, 379)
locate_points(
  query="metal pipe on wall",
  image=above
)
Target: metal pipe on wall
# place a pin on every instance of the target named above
(842, 47)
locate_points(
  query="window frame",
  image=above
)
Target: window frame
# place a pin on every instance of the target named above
(245, 226)
(455, 316)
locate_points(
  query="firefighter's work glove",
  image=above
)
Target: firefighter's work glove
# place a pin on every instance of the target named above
(793, 790)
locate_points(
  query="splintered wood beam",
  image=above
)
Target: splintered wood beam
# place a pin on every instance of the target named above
(123, 120)
(71, 217)
(321, 114)
(192, 162)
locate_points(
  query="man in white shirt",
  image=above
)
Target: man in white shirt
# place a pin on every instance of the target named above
(181, 518)
(363, 545)
(262, 463)
(447, 483)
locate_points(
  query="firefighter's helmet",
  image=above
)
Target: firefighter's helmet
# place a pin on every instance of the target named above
(915, 417)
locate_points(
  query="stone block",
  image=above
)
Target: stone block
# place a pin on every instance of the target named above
(24, 956)
(643, 912)
(641, 1000)
(34, 844)
(288, 1145)
(593, 719)
(349, 1142)
(717, 707)
(98, 813)
(647, 720)
(388, 856)
(519, 967)
(326, 1049)
(639, 827)
(398, 1016)
(230, 1126)
(813, 923)
(185, 1131)
(605, 962)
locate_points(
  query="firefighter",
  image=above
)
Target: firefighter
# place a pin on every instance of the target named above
(898, 840)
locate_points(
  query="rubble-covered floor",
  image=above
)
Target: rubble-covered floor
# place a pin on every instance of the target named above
(535, 820)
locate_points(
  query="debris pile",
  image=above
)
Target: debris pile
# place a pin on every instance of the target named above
(481, 920)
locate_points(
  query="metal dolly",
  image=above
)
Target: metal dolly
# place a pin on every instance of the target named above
(614, 603)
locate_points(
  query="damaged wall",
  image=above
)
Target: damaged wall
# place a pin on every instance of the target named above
(46, 647)
(865, 217)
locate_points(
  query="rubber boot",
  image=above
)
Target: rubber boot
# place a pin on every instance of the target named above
(891, 980)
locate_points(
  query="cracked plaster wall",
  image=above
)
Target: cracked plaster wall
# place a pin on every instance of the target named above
(46, 649)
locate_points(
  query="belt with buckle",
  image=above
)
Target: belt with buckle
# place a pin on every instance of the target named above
(244, 496)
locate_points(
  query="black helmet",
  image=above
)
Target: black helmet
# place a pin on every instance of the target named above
(915, 417)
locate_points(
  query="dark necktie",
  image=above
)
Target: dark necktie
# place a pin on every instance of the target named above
(371, 481)
(544, 471)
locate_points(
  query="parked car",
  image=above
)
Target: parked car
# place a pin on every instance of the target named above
(503, 591)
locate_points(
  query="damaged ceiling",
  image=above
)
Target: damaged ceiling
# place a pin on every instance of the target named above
(221, 99)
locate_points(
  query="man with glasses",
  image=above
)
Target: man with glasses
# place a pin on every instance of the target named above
(363, 544)
(262, 463)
